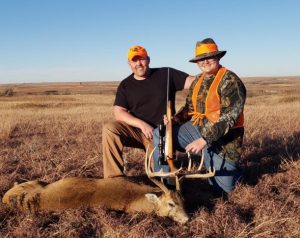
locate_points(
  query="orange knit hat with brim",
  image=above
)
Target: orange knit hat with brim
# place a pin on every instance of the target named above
(206, 49)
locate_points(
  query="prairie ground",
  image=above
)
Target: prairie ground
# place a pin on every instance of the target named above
(52, 131)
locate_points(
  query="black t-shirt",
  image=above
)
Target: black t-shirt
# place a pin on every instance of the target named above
(147, 99)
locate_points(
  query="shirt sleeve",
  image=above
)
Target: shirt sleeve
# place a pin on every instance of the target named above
(182, 116)
(188, 101)
(121, 99)
(178, 78)
(233, 96)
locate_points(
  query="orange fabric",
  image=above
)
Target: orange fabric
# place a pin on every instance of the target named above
(205, 48)
(239, 122)
(137, 51)
(197, 116)
(212, 102)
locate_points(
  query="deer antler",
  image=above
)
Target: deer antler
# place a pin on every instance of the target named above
(189, 175)
(160, 173)
(197, 173)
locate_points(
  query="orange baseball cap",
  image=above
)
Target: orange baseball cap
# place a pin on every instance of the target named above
(137, 51)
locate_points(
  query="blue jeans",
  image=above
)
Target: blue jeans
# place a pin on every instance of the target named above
(227, 172)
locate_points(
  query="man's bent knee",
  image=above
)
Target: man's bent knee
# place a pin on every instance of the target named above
(111, 128)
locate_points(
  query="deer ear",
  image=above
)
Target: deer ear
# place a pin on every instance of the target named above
(151, 197)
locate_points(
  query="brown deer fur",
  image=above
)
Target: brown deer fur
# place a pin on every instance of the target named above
(120, 193)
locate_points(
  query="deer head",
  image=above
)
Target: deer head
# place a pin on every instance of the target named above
(170, 203)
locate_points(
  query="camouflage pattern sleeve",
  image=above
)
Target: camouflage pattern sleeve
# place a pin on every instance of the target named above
(233, 96)
(182, 114)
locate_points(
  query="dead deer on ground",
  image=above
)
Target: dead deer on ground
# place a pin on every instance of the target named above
(119, 193)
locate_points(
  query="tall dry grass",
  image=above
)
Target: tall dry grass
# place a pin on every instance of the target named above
(49, 137)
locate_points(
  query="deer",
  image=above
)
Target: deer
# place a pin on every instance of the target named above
(118, 193)
(123, 193)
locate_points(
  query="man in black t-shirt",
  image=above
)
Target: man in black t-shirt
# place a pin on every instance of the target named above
(139, 107)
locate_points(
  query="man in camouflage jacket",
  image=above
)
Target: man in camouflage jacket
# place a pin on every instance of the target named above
(212, 119)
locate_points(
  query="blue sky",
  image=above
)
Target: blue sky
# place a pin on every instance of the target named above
(87, 40)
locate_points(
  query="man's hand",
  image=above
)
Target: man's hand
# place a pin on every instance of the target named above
(146, 129)
(122, 114)
(196, 146)
(166, 120)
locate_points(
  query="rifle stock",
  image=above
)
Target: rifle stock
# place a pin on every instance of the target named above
(169, 139)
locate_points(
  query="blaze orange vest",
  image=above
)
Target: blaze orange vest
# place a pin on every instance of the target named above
(212, 102)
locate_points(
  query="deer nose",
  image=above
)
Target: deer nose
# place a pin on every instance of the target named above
(182, 220)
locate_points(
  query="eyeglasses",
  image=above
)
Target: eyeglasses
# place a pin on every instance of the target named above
(207, 60)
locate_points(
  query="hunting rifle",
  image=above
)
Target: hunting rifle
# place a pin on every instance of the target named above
(169, 139)
(165, 135)
(165, 147)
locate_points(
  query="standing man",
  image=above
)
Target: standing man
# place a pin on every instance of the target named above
(212, 119)
(139, 107)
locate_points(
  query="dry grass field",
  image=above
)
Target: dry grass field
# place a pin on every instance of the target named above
(52, 131)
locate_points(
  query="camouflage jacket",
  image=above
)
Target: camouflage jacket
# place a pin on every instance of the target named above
(224, 141)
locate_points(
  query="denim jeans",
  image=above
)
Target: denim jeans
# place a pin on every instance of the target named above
(227, 172)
